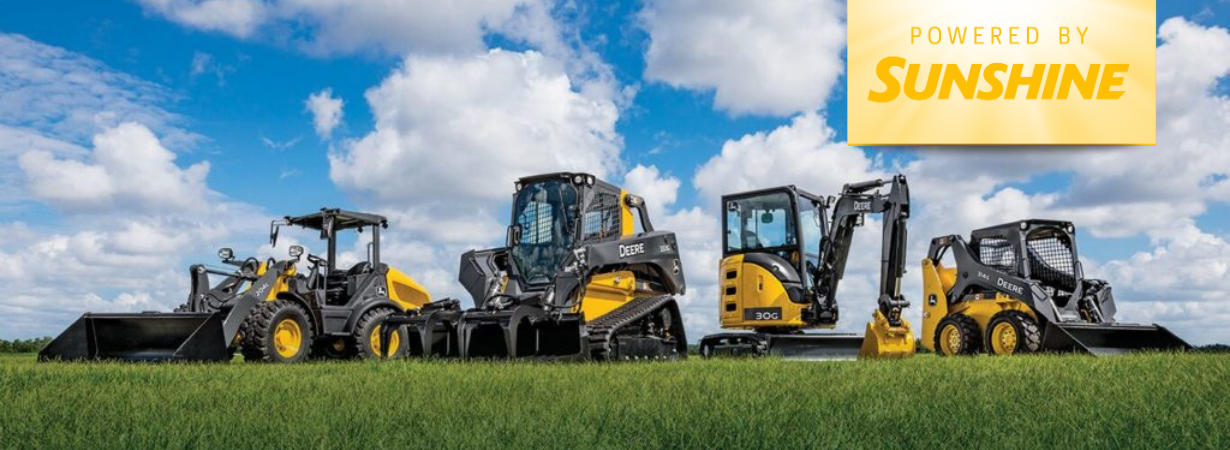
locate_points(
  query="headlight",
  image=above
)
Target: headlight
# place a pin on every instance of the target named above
(296, 251)
(226, 254)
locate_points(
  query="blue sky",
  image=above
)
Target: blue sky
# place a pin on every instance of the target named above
(229, 87)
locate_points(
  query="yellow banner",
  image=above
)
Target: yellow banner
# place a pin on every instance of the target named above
(1002, 72)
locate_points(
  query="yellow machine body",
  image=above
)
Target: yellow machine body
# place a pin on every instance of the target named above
(405, 291)
(937, 281)
(745, 288)
(281, 285)
(607, 291)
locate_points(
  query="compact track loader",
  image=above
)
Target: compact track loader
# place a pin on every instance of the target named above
(782, 259)
(267, 310)
(575, 280)
(1019, 288)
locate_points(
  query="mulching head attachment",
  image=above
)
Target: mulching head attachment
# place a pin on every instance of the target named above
(1110, 339)
(141, 337)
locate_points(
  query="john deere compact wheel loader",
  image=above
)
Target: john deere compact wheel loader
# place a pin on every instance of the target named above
(1019, 288)
(204, 328)
(267, 311)
(575, 280)
(782, 259)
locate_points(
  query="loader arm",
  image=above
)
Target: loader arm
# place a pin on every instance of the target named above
(848, 210)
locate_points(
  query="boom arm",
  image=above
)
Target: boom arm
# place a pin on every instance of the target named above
(848, 211)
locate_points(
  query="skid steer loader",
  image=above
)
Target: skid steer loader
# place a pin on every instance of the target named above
(575, 280)
(1019, 288)
(267, 311)
(782, 259)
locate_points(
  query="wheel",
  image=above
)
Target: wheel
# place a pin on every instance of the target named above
(706, 351)
(1012, 332)
(367, 335)
(333, 348)
(277, 331)
(957, 334)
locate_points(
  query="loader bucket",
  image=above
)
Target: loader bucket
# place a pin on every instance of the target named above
(522, 332)
(141, 337)
(1110, 339)
(816, 347)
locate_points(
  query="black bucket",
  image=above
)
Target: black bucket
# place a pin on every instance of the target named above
(819, 346)
(1110, 339)
(522, 332)
(141, 337)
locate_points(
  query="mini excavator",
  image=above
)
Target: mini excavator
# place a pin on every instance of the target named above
(781, 263)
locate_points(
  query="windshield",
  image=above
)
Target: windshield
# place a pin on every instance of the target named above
(545, 213)
(761, 222)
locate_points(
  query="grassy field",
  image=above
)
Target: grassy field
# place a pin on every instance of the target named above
(1146, 401)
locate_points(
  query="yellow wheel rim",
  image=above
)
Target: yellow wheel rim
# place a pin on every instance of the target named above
(287, 338)
(950, 340)
(394, 342)
(1003, 338)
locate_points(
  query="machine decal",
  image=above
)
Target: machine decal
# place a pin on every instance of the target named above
(762, 313)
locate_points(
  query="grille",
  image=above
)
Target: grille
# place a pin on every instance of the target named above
(1051, 263)
(997, 254)
(536, 223)
(602, 219)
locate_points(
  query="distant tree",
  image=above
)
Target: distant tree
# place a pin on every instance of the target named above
(23, 345)
(1215, 348)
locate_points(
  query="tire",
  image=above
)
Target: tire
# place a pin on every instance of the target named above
(366, 333)
(278, 331)
(333, 348)
(966, 340)
(1012, 333)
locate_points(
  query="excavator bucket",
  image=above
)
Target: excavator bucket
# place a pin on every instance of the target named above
(141, 337)
(883, 340)
(522, 332)
(1104, 340)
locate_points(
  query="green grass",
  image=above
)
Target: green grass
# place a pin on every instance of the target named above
(1144, 401)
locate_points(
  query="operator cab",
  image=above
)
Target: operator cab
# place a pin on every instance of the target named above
(785, 222)
(340, 285)
(554, 214)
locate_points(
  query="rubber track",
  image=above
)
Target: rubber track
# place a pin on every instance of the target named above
(602, 329)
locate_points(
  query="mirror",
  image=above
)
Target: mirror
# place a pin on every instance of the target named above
(296, 251)
(273, 234)
(766, 217)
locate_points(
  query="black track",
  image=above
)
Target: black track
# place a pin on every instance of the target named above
(606, 331)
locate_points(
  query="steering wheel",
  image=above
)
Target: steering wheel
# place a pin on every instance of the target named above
(317, 263)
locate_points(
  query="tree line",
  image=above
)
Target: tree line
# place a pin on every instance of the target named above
(23, 345)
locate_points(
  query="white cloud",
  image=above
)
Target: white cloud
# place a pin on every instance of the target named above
(326, 112)
(129, 167)
(801, 153)
(70, 97)
(659, 191)
(764, 57)
(235, 17)
(346, 26)
(450, 129)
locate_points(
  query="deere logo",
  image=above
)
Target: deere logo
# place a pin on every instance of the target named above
(631, 249)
